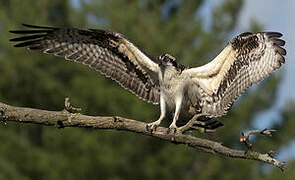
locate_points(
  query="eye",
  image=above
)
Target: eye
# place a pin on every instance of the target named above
(166, 59)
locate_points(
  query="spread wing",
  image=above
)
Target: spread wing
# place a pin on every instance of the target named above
(107, 52)
(246, 60)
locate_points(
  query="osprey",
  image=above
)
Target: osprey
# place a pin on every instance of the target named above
(208, 91)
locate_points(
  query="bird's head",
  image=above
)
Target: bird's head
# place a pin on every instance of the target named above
(166, 60)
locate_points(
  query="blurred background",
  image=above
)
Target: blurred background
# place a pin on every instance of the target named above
(194, 31)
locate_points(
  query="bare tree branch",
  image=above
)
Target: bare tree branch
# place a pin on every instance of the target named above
(66, 119)
(246, 135)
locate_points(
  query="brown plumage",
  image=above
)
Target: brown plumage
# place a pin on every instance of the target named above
(209, 90)
(246, 60)
(107, 52)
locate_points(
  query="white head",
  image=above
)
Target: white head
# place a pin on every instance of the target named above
(166, 60)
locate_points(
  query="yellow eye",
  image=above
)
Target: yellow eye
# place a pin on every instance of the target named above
(166, 59)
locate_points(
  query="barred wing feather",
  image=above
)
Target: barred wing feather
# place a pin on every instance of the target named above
(246, 60)
(107, 52)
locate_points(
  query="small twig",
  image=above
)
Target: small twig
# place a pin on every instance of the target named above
(267, 132)
(69, 107)
(270, 156)
(246, 135)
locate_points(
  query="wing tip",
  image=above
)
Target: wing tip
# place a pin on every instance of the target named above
(30, 37)
(282, 60)
(38, 27)
(29, 44)
(34, 29)
(281, 51)
(278, 43)
(26, 38)
(273, 34)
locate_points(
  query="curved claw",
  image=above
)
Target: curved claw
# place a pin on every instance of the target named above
(172, 128)
(148, 128)
(152, 126)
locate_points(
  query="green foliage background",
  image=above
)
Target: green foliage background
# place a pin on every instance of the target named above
(35, 80)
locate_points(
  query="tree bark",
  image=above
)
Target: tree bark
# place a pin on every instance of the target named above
(65, 118)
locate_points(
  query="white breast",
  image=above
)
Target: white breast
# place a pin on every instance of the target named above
(172, 85)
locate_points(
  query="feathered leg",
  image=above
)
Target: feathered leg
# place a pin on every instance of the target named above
(154, 125)
(178, 103)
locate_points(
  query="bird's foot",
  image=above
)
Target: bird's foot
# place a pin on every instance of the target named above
(172, 129)
(153, 126)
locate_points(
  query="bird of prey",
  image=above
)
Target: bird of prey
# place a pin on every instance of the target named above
(208, 90)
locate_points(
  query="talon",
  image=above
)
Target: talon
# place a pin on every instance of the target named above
(172, 128)
(152, 126)
(168, 131)
(147, 127)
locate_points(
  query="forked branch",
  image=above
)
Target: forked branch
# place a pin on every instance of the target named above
(66, 119)
(246, 135)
